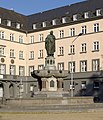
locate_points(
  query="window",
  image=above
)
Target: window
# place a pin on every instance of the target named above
(40, 37)
(40, 53)
(95, 64)
(96, 84)
(0, 20)
(32, 39)
(72, 31)
(96, 46)
(44, 24)
(12, 70)
(18, 25)
(64, 20)
(34, 26)
(12, 53)
(83, 85)
(8, 23)
(86, 15)
(1, 34)
(54, 22)
(31, 69)
(21, 70)
(60, 66)
(2, 69)
(61, 33)
(83, 47)
(72, 49)
(61, 50)
(20, 39)
(20, 54)
(83, 66)
(75, 17)
(40, 67)
(83, 30)
(31, 54)
(11, 37)
(1, 51)
(99, 12)
(96, 27)
(71, 67)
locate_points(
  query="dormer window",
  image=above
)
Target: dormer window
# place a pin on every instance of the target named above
(8, 23)
(65, 19)
(86, 15)
(44, 24)
(18, 25)
(99, 12)
(75, 17)
(0, 20)
(34, 26)
(54, 22)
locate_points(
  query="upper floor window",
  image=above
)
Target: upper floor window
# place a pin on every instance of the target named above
(95, 65)
(61, 66)
(71, 67)
(40, 53)
(12, 70)
(8, 23)
(18, 25)
(72, 49)
(1, 51)
(83, 47)
(99, 12)
(83, 30)
(65, 19)
(20, 39)
(96, 27)
(1, 34)
(75, 17)
(61, 50)
(31, 54)
(21, 70)
(96, 46)
(41, 37)
(20, 54)
(86, 15)
(11, 37)
(32, 39)
(40, 67)
(72, 31)
(12, 53)
(2, 69)
(61, 33)
(44, 24)
(54, 22)
(83, 66)
(31, 69)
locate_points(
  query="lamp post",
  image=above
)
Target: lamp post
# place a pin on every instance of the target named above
(71, 87)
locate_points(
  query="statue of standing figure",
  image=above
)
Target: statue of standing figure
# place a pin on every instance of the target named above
(50, 44)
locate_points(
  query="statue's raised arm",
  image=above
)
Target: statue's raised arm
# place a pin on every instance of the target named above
(50, 44)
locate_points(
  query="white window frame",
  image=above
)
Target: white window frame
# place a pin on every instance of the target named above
(72, 49)
(96, 46)
(1, 34)
(2, 69)
(32, 39)
(61, 66)
(86, 15)
(21, 39)
(72, 31)
(31, 54)
(83, 66)
(12, 53)
(31, 69)
(21, 71)
(11, 37)
(1, 51)
(84, 29)
(40, 53)
(98, 12)
(20, 54)
(95, 65)
(61, 33)
(61, 50)
(40, 67)
(41, 37)
(96, 27)
(71, 67)
(34, 26)
(75, 17)
(8, 23)
(83, 47)
(18, 25)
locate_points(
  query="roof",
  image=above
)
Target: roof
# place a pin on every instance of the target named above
(69, 10)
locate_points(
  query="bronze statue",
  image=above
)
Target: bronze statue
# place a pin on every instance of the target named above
(50, 44)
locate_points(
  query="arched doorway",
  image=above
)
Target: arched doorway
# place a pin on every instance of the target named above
(11, 90)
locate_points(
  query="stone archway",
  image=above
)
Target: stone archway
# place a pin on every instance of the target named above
(11, 90)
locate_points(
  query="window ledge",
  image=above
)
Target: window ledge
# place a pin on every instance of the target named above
(61, 55)
(71, 54)
(40, 57)
(31, 58)
(2, 56)
(83, 52)
(95, 50)
(13, 57)
(21, 59)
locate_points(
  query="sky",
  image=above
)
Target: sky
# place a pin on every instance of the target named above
(28, 7)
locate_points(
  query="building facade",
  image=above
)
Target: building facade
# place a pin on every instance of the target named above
(22, 48)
